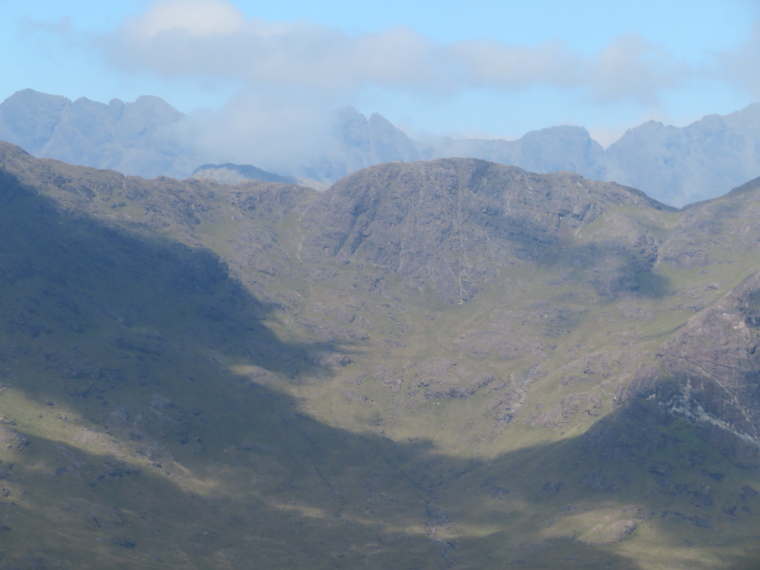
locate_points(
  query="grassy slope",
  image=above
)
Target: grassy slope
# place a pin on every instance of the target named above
(148, 423)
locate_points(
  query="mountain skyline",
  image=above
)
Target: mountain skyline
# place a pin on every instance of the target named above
(431, 285)
(484, 69)
(150, 138)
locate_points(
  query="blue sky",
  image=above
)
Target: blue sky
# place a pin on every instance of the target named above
(476, 68)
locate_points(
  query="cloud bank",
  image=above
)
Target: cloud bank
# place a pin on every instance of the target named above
(289, 76)
(741, 66)
(212, 39)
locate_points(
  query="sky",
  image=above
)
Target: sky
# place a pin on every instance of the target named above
(476, 68)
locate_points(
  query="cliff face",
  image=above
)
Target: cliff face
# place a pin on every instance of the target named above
(709, 372)
(455, 225)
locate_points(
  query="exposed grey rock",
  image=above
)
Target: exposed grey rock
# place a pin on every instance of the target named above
(611, 533)
(196, 378)
(707, 373)
(452, 226)
(12, 439)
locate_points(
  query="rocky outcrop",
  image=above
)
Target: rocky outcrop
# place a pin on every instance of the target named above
(709, 372)
(451, 226)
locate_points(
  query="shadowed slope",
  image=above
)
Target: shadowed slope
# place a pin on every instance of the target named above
(191, 380)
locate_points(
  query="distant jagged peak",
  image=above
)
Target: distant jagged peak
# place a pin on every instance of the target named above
(32, 97)
(229, 173)
(233, 173)
(676, 165)
(155, 104)
(348, 116)
(575, 131)
(377, 138)
(348, 112)
(26, 108)
(751, 111)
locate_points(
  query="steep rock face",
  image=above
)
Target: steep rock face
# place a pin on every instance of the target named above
(708, 372)
(454, 225)
(356, 141)
(372, 139)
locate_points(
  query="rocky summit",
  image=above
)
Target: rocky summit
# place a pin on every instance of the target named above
(437, 365)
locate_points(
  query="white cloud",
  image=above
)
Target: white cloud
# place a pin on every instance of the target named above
(495, 65)
(291, 75)
(271, 131)
(191, 17)
(741, 66)
(211, 39)
(630, 67)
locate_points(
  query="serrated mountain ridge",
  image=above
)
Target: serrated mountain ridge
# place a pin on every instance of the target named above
(675, 165)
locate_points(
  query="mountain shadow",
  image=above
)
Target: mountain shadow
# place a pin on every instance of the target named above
(281, 490)
(142, 426)
(69, 280)
(154, 413)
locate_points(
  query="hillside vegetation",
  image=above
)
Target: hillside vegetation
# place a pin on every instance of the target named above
(437, 365)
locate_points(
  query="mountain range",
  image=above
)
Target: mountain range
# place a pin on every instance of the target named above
(149, 138)
(442, 364)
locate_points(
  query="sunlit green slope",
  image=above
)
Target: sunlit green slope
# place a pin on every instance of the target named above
(430, 365)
